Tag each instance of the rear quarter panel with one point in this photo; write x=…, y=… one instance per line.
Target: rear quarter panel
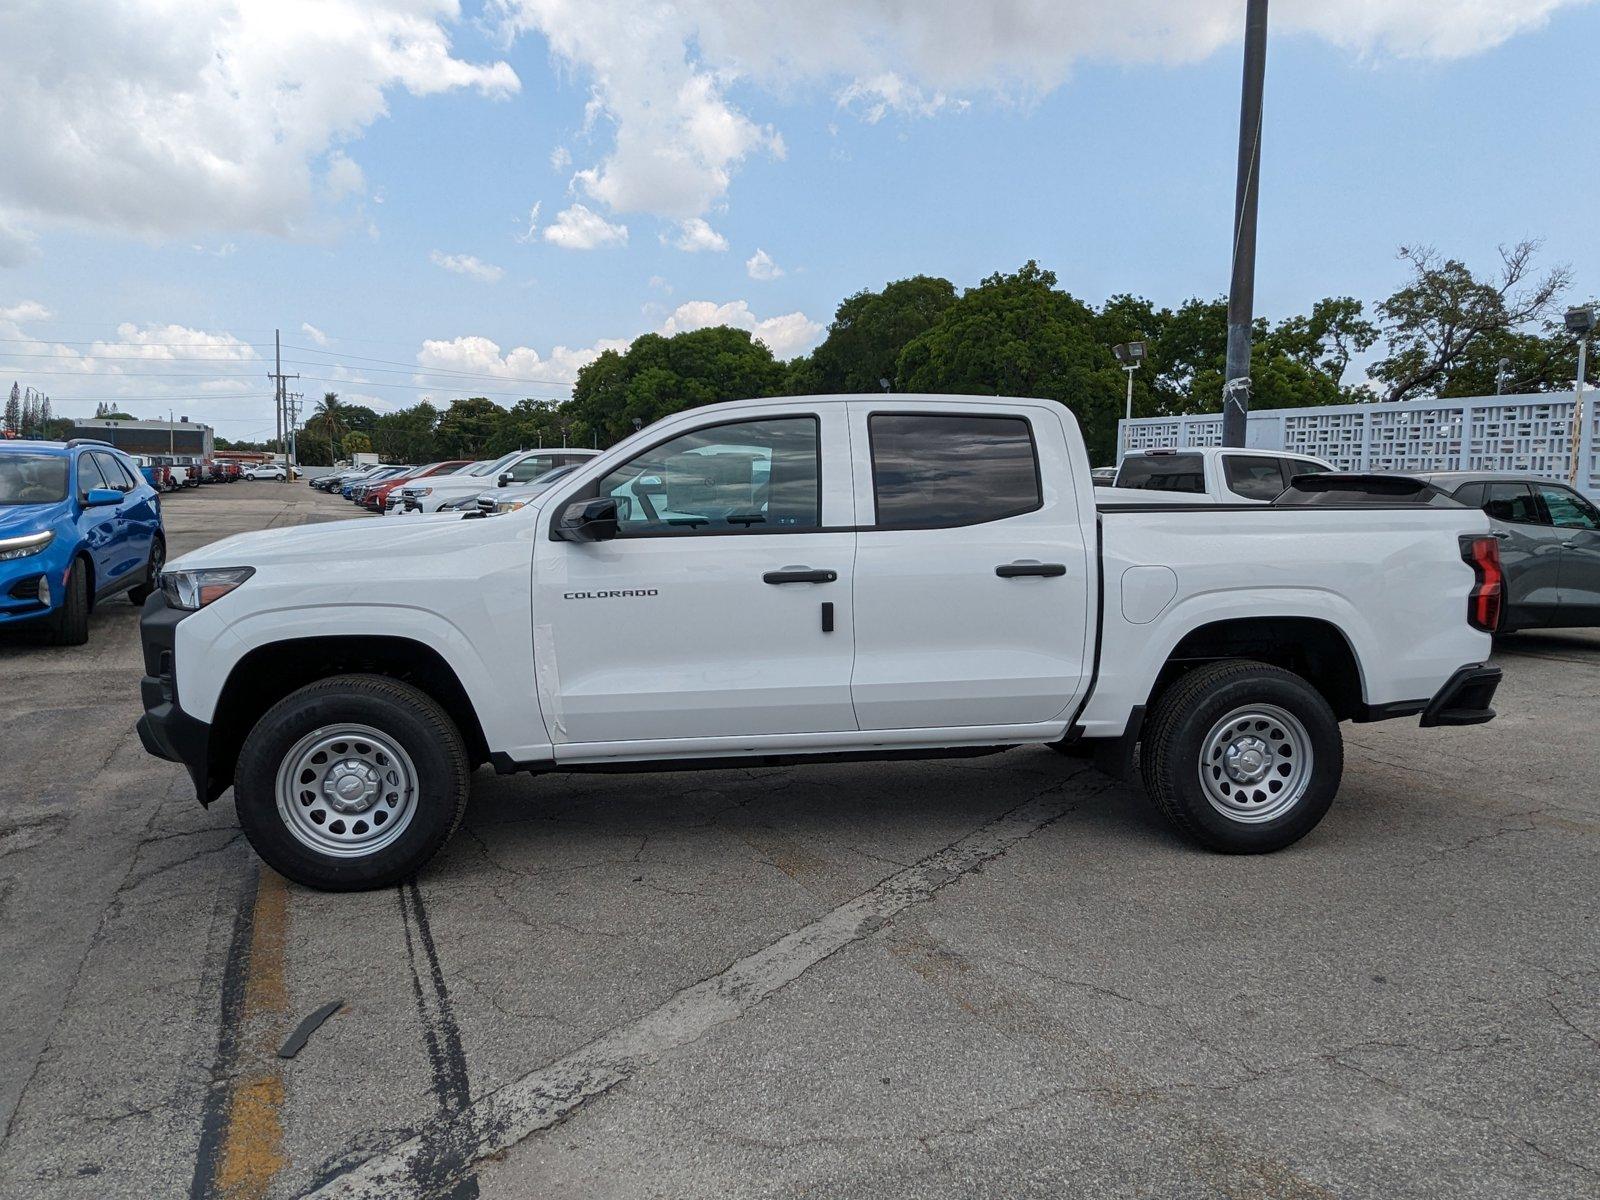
x=1391, y=580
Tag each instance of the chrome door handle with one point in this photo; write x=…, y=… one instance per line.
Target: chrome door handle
x=799, y=575
x=1572, y=545
x=1018, y=570
x=1502, y=535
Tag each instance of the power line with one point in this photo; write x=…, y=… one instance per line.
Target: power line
x=419, y=370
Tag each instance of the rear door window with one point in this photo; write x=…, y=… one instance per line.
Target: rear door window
x=1513, y=502
x=933, y=471
x=1163, y=473
x=1471, y=495
x=1567, y=509
x=1255, y=477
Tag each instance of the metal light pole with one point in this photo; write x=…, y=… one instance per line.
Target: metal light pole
x=1580, y=323
x=1241, y=292
x=1500, y=376
x=1130, y=355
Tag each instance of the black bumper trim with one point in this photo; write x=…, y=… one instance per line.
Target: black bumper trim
x=1464, y=699
x=165, y=730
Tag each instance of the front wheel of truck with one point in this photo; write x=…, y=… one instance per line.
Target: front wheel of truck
x=1242, y=757
x=351, y=783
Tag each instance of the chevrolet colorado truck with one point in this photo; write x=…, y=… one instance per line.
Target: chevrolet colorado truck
x=804, y=579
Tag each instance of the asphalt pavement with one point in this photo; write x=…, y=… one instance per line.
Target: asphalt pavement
x=989, y=977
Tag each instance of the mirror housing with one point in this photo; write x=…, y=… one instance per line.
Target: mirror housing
x=101, y=496
x=505, y=478
x=589, y=520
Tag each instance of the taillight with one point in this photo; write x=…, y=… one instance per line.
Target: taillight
x=1484, y=603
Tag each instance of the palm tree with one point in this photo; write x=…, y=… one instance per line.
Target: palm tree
x=329, y=414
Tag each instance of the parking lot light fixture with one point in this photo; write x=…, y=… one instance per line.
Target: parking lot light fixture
x=1130, y=355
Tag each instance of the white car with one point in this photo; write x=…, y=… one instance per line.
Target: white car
x=266, y=471
x=1206, y=475
x=513, y=499
x=460, y=490
x=797, y=579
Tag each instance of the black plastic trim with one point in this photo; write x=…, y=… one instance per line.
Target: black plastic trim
x=1464, y=699
x=1368, y=713
x=165, y=730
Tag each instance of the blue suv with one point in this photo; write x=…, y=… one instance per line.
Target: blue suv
x=78, y=524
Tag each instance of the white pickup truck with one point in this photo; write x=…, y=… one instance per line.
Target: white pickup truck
x=801, y=579
x=1207, y=474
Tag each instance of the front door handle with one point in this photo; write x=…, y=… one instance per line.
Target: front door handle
x=1572, y=545
x=1502, y=535
x=799, y=575
x=1018, y=570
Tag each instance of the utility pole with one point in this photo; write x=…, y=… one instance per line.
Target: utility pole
x=279, y=397
x=293, y=410
x=1580, y=323
x=1241, y=292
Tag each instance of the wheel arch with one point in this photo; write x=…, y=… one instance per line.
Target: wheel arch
x=1313, y=648
x=269, y=672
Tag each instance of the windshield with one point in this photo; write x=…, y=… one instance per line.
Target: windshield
x=543, y=481
x=33, y=478
x=1163, y=473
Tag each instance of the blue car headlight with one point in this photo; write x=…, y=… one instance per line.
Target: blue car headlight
x=25, y=546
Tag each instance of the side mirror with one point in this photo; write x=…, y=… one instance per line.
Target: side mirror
x=589, y=520
x=505, y=478
x=100, y=496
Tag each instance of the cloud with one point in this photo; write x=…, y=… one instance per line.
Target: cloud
x=533, y=224
x=468, y=265
x=786, y=335
x=579, y=228
x=695, y=235
x=662, y=71
x=177, y=119
x=560, y=158
x=27, y=310
x=481, y=356
x=759, y=266
x=315, y=334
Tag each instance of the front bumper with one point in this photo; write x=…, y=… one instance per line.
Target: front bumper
x=165, y=730
x=19, y=582
x=1464, y=699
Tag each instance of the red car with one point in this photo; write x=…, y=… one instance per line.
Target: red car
x=377, y=498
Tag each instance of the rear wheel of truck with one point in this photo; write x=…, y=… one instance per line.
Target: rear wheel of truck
x=1242, y=757
x=351, y=783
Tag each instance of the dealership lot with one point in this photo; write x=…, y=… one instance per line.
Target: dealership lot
x=990, y=976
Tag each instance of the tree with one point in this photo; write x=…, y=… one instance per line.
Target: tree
x=868, y=332
x=1018, y=335
x=658, y=376
x=328, y=420
x=30, y=415
x=465, y=429
x=530, y=424
x=407, y=436
x=357, y=443
x=1447, y=320
x=13, y=420
x=45, y=416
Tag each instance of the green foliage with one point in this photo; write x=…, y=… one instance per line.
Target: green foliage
x=467, y=427
x=1017, y=335
x=407, y=436
x=356, y=443
x=529, y=424
x=312, y=449
x=658, y=376
x=868, y=332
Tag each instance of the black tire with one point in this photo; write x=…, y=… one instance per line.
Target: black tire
x=1183, y=739
x=413, y=721
x=69, y=624
x=158, y=559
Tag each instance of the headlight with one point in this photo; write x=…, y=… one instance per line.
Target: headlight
x=427, y=491
x=506, y=506
x=196, y=589
x=461, y=505
x=27, y=544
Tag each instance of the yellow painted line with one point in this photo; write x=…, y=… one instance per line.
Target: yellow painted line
x=252, y=1139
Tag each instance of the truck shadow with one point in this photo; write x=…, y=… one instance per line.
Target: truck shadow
x=1577, y=644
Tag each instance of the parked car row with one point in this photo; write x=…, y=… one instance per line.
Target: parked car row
x=80, y=522
x=461, y=486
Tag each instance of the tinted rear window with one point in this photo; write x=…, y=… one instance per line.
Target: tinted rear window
x=1163, y=473
x=931, y=471
x=1373, y=491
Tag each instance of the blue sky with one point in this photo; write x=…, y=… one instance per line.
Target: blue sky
x=1112, y=166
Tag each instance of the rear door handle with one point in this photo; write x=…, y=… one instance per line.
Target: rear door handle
x=1502, y=535
x=1017, y=570
x=800, y=575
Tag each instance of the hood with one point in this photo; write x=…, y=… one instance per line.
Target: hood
x=339, y=541
x=17, y=519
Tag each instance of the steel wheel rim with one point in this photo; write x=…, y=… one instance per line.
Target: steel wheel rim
x=1256, y=763
x=346, y=790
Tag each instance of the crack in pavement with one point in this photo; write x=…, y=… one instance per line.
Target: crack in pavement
x=549, y=1095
